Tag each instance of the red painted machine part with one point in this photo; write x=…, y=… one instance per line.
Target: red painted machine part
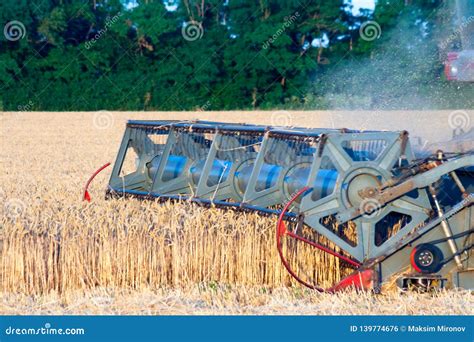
x=452, y=56
x=86, y=196
x=412, y=260
x=359, y=279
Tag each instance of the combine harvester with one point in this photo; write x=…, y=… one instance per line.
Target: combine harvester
x=325, y=179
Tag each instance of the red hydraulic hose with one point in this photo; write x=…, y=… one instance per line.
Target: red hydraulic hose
x=281, y=230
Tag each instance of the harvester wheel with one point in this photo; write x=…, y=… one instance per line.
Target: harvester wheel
x=426, y=258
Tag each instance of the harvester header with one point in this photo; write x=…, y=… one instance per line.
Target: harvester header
x=411, y=216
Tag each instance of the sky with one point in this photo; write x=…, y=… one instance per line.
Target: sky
x=359, y=4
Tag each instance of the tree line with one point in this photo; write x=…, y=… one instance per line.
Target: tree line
x=222, y=54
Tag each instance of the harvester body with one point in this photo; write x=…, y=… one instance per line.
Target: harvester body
x=330, y=180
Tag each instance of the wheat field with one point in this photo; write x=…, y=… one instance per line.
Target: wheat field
x=60, y=255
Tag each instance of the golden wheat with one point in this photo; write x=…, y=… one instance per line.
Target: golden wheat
x=134, y=245
x=54, y=242
x=54, y=246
